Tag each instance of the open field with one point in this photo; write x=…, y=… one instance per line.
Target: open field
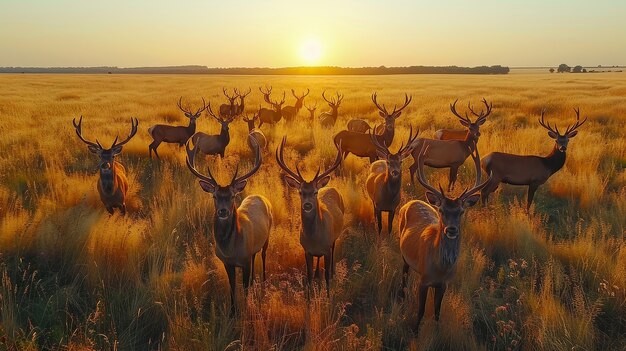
x=74, y=277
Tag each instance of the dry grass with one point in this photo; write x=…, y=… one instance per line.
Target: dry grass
x=73, y=277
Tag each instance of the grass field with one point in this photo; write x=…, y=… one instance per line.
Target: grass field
x=74, y=277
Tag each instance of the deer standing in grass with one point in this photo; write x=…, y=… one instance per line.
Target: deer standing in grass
x=229, y=109
x=384, y=181
x=273, y=115
x=430, y=235
x=174, y=134
x=471, y=127
x=529, y=170
x=290, y=112
x=360, y=144
x=240, y=109
x=447, y=153
x=328, y=119
x=113, y=184
x=214, y=144
x=240, y=232
x=256, y=133
x=322, y=211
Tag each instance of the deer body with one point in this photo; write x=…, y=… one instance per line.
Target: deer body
x=214, y=144
x=328, y=119
x=450, y=134
x=274, y=115
x=358, y=125
x=290, y=112
x=256, y=133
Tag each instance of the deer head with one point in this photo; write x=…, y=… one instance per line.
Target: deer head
x=107, y=156
x=451, y=209
x=299, y=99
x=231, y=98
x=266, y=93
x=223, y=122
x=390, y=118
x=252, y=121
x=307, y=189
x=311, y=110
x=394, y=161
x=334, y=102
x=562, y=139
x=473, y=127
x=191, y=115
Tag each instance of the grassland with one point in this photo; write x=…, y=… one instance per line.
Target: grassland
x=74, y=277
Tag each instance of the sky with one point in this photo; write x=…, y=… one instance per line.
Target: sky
x=277, y=33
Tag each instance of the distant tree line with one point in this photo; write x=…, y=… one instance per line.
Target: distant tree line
x=564, y=68
x=325, y=70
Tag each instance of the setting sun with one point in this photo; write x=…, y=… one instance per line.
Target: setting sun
x=311, y=51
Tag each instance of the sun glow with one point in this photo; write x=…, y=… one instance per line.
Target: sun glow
x=311, y=51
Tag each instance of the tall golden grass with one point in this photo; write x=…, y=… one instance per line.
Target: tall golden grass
x=74, y=277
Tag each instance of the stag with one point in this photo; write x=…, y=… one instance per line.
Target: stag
x=289, y=112
x=321, y=211
x=174, y=134
x=430, y=235
x=445, y=153
x=328, y=119
x=240, y=232
x=311, y=110
x=360, y=144
x=256, y=133
x=242, y=97
x=471, y=127
x=229, y=109
x=113, y=183
x=385, y=180
x=214, y=144
x=271, y=116
x=528, y=170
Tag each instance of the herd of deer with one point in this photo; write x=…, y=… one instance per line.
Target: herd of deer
x=429, y=231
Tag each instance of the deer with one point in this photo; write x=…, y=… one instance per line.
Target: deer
x=256, y=133
x=112, y=184
x=471, y=127
x=445, y=153
x=430, y=235
x=229, y=109
x=214, y=144
x=311, y=110
x=529, y=170
x=240, y=231
x=289, y=112
x=328, y=119
x=271, y=116
x=241, y=107
x=384, y=181
x=174, y=134
x=322, y=210
x=360, y=144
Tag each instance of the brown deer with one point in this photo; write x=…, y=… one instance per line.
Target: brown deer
x=290, y=112
x=358, y=125
x=256, y=133
x=529, y=170
x=430, y=235
x=360, y=144
x=240, y=109
x=328, y=119
x=385, y=180
x=472, y=127
x=322, y=211
x=214, y=144
x=229, y=109
x=311, y=110
x=240, y=232
x=445, y=153
x=271, y=116
x=113, y=184
x=174, y=134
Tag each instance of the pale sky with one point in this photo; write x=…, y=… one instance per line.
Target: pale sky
x=272, y=33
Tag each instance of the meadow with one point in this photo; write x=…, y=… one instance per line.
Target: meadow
x=74, y=277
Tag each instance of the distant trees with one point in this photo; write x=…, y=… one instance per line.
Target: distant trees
x=551, y=70
x=578, y=69
x=564, y=68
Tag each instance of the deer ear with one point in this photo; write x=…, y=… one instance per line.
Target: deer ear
x=239, y=186
x=481, y=122
x=464, y=123
x=471, y=201
x=322, y=182
x=433, y=199
x=381, y=155
x=292, y=182
x=572, y=134
x=116, y=150
x=93, y=149
x=397, y=114
x=382, y=114
x=208, y=187
x=552, y=135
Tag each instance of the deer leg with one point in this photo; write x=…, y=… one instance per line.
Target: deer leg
x=453, y=175
x=390, y=216
x=423, y=293
x=531, y=194
x=263, y=254
x=413, y=169
x=230, y=271
x=439, y=291
x=252, y=269
x=405, y=278
x=110, y=210
x=246, y=276
x=332, y=258
x=379, y=220
x=309, y=269
x=123, y=209
x=153, y=147
x=488, y=189
x=317, y=268
x=327, y=263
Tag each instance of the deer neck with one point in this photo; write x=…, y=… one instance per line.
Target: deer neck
x=250, y=126
x=109, y=178
x=224, y=135
x=225, y=231
x=448, y=250
x=311, y=220
x=393, y=186
x=388, y=135
x=191, y=128
x=555, y=160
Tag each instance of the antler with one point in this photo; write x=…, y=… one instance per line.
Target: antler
x=78, y=129
x=477, y=185
x=453, y=110
x=244, y=95
x=230, y=98
x=422, y=178
x=407, y=101
x=332, y=100
x=374, y=138
x=547, y=125
x=281, y=102
x=483, y=114
x=577, y=124
x=332, y=167
x=210, y=111
x=266, y=93
x=191, y=154
x=257, y=162
x=383, y=108
x=133, y=130
x=281, y=162
x=311, y=108
x=188, y=112
x=405, y=151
